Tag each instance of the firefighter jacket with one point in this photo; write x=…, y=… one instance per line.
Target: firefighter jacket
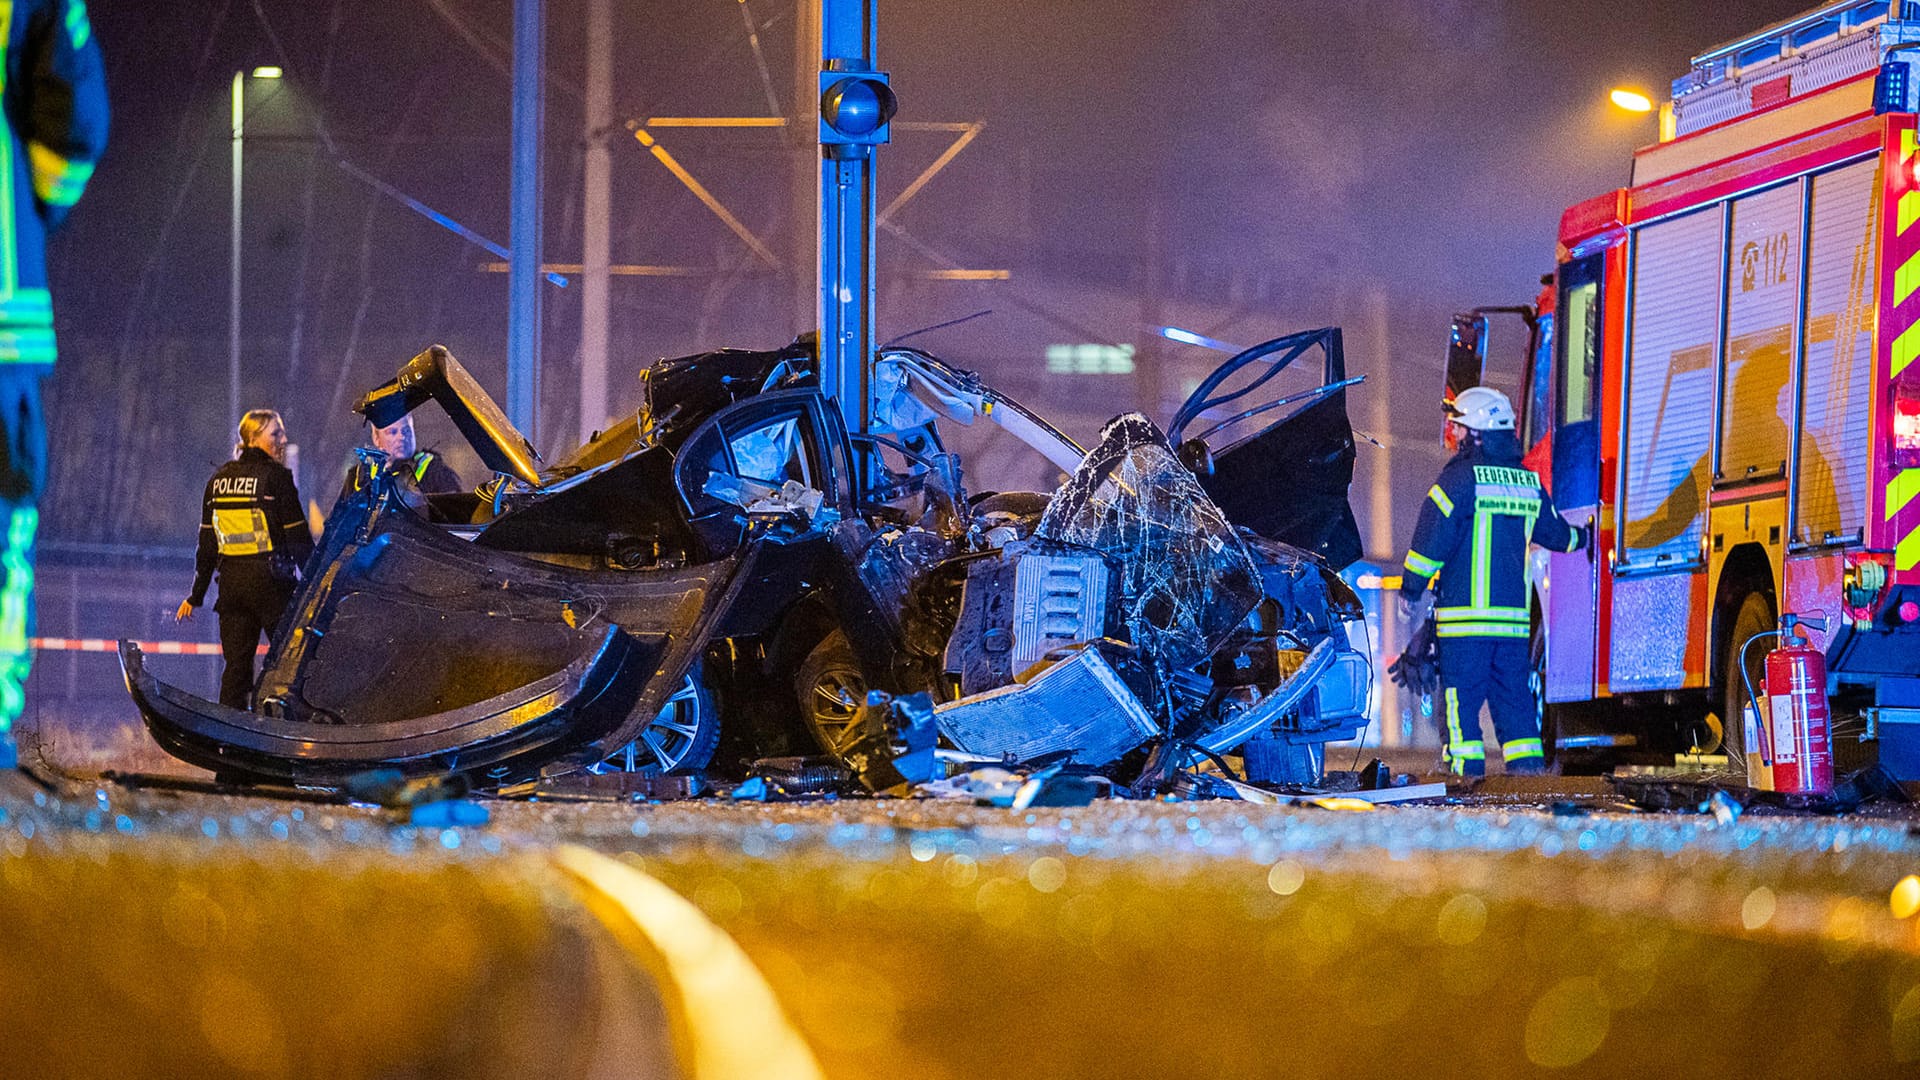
x=250, y=512
x=1476, y=522
x=53, y=87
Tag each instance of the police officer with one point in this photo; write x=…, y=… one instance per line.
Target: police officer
x=252, y=530
x=1475, y=523
x=53, y=82
x=423, y=468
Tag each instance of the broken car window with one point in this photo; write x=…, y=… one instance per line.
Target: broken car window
x=771, y=453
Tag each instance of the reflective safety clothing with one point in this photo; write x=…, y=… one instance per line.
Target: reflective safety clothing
x=425, y=469
x=253, y=531
x=53, y=86
x=1475, y=523
x=55, y=93
x=1470, y=544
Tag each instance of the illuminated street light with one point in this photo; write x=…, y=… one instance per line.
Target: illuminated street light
x=233, y=265
x=1631, y=100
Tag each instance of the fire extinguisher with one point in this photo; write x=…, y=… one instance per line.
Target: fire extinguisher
x=1795, y=740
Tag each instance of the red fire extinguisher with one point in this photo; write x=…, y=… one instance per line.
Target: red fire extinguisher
x=1795, y=740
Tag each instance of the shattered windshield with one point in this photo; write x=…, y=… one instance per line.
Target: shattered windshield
x=1188, y=578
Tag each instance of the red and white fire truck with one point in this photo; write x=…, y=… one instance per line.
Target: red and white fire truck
x=1725, y=381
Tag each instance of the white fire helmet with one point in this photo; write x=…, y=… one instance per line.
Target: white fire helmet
x=1481, y=408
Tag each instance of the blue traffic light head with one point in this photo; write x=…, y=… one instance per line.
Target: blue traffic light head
x=855, y=108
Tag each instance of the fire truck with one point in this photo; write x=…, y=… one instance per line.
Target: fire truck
x=1723, y=379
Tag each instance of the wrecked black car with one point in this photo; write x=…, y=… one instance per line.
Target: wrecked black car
x=730, y=574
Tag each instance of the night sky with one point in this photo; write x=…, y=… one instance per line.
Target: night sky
x=1249, y=168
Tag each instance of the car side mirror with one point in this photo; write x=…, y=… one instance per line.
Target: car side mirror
x=1197, y=457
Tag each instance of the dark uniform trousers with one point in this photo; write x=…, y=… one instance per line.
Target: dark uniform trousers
x=250, y=604
x=1476, y=671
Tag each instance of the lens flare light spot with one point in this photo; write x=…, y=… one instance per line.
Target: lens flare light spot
x=1905, y=901
x=1567, y=1024
x=1286, y=877
x=1046, y=874
x=1461, y=920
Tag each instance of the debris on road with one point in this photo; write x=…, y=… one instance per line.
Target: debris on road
x=1728, y=796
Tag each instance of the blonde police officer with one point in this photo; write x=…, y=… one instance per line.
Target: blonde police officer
x=253, y=531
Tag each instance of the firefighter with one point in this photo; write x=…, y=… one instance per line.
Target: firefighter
x=252, y=530
x=53, y=84
x=422, y=468
x=1476, y=522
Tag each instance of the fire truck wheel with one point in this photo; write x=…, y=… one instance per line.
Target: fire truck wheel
x=1752, y=615
x=1546, y=714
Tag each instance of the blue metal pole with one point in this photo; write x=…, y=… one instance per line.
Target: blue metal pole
x=523, y=260
x=849, y=41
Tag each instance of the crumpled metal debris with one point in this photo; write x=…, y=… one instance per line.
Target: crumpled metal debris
x=391, y=788
x=1187, y=578
x=989, y=785
x=430, y=802
x=1057, y=786
x=1078, y=706
x=794, y=776
x=891, y=747
x=1672, y=790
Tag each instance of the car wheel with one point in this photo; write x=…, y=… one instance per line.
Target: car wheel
x=830, y=688
x=681, y=738
x=1754, y=614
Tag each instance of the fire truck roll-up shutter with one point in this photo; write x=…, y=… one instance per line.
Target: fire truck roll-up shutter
x=1831, y=485
x=1763, y=289
x=1670, y=371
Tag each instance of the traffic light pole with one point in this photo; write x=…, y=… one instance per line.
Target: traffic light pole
x=523, y=257
x=853, y=121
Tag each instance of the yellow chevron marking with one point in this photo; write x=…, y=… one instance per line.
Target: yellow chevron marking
x=1907, y=555
x=1905, y=348
x=1906, y=278
x=1901, y=491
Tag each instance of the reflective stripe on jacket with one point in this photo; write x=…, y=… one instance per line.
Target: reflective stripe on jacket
x=1472, y=534
x=250, y=509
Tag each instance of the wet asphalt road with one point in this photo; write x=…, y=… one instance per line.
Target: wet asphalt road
x=184, y=933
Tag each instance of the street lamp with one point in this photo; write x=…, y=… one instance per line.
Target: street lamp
x=1631, y=100
x=233, y=276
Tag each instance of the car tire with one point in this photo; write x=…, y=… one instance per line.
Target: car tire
x=680, y=740
x=829, y=687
